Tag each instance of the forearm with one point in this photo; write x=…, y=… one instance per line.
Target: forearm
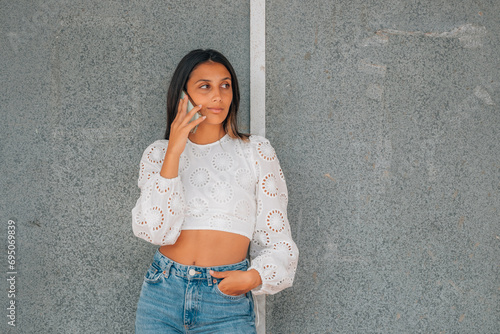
x=170, y=168
x=254, y=279
x=238, y=281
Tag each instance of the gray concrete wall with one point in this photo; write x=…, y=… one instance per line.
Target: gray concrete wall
x=386, y=119
x=384, y=115
x=83, y=93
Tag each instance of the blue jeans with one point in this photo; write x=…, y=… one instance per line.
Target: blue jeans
x=177, y=298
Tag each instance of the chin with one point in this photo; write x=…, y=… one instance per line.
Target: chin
x=214, y=119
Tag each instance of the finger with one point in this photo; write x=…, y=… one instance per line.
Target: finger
x=221, y=274
x=181, y=106
x=194, y=123
x=178, y=114
x=189, y=115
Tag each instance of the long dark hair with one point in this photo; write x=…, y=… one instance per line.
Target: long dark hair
x=181, y=77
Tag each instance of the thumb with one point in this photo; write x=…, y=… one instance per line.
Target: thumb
x=219, y=274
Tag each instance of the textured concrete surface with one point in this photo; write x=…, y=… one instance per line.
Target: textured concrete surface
x=385, y=116
x=386, y=119
x=82, y=95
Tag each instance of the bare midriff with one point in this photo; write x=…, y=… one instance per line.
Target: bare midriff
x=207, y=248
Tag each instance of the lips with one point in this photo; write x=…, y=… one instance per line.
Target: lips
x=215, y=110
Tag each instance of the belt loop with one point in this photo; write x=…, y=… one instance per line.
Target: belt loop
x=166, y=272
x=209, y=277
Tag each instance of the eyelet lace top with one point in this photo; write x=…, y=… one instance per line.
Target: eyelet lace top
x=230, y=185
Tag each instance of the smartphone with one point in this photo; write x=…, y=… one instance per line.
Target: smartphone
x=189, y=107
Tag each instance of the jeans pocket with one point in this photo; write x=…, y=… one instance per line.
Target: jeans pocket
x=238, y=297
x=154, y=274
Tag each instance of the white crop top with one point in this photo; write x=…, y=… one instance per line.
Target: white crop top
x=229, y=185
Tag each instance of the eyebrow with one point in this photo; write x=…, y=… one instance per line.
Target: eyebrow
x=226, y=78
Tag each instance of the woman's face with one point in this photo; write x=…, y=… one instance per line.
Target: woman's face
x=210, y=86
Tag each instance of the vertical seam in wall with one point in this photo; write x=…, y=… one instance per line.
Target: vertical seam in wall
x=258, y=105
x=258, y=67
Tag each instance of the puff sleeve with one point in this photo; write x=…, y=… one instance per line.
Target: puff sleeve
x=273, y=253
x=159, y=212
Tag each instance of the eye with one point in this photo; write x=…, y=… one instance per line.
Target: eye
x=226, y=85
x=204, y=86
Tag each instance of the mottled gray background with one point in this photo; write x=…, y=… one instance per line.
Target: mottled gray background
x=385, y=116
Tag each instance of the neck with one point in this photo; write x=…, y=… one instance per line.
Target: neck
x=207, y=133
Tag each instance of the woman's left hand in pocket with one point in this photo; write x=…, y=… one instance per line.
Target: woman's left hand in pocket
x=237, y=282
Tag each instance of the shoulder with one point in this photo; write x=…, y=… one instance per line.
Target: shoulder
x=155, y=152
x=259, y=142
x=159, y=143
x=256, y=140
x=263, y=148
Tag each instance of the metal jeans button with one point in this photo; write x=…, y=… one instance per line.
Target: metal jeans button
x=192, y=272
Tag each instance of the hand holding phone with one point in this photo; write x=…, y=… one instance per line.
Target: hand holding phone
x=190, y=106
x=182, y=125
x=179, y=133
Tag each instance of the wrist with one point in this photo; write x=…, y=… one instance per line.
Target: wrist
x=171, y=154
x=170, y=167
x=255, y=279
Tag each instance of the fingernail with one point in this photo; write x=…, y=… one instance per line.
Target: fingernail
x=199, y=105
x=211, y=271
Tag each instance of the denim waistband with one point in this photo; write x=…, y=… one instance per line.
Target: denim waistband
x=169, y=266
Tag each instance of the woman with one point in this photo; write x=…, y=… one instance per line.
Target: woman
x=208, y=197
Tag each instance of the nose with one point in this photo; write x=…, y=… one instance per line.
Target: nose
x=217, y=96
